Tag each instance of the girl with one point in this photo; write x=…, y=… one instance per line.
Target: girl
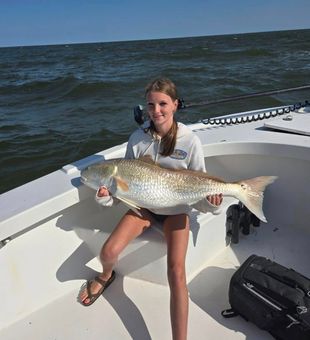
x=171, y=145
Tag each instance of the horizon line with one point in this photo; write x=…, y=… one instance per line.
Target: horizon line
x=151, y=39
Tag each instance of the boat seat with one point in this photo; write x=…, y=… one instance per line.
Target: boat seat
x=153, y=251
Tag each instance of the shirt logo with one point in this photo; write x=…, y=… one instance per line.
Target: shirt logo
x=178, y=154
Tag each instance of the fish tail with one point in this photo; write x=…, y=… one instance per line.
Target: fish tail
x=251, y=194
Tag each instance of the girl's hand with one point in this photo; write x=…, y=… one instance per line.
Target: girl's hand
x=215, y=199
x=103, y=191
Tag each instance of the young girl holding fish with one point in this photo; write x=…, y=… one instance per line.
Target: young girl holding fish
x=171, y=145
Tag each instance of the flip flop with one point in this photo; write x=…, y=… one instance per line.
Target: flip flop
x=93, y=297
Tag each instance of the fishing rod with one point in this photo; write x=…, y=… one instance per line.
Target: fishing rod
x=182, y=104
x=139, y=114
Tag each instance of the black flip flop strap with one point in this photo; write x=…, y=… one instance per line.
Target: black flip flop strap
x=107, y=282
x=102, y=282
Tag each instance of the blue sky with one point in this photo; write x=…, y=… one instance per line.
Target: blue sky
x=44, y=22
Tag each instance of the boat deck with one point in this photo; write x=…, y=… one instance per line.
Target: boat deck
x=138, y=309
x=57, y=234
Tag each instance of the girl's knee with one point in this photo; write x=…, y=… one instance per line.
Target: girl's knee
x=109, y=253
x=176, y=274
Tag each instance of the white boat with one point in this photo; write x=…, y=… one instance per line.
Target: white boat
x=52, y=230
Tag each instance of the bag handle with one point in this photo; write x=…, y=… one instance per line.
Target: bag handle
x=229, y=313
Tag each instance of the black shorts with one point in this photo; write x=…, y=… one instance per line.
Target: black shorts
x=157, y=217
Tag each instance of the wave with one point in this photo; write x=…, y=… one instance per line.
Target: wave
x=60, y=88
x=12, y=127
x=91, y=89
x=256, y=52
x=210, y=53
x=41, y=86
x=243, y=53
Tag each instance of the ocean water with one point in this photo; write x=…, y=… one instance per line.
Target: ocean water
x=61, y=103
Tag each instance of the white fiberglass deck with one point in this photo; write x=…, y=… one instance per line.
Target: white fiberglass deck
x=136, y=309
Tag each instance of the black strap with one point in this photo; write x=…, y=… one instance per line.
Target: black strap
x=229, y=313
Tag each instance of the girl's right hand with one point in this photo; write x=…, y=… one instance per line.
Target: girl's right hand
x=104, y=197
x=103, y=191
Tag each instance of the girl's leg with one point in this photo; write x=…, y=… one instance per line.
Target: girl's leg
x=176, y=229
x=129, y=227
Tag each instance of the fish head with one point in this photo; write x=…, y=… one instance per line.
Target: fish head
x=99, y=175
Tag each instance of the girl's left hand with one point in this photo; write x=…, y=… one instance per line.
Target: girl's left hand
x=215, y=199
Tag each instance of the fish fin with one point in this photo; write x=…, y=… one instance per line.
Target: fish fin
x=136, y=211
x=252, y=194
x=148, y=159
x=129, y=203
x=203, y=174
x=197, y=173
x=205, y=206
x=122, y=184
x=200, y=206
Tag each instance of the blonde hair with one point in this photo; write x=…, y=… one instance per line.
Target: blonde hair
x=166, y=86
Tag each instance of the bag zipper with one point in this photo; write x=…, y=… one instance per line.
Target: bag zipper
x=251, y=288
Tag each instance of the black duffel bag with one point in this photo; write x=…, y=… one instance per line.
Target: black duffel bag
x=273, y=297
